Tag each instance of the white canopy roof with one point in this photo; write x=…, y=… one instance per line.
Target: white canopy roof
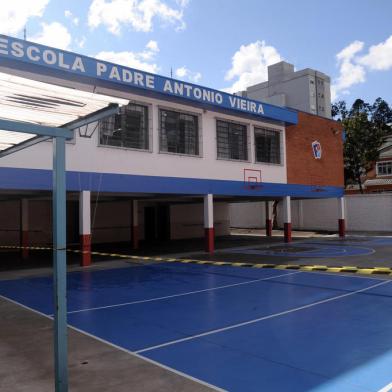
x=31, y=101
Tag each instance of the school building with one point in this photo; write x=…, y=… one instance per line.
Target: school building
x=156, y=158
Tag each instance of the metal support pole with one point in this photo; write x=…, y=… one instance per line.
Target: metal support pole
x=268, y=218
x=287, y=218
x=85, y=227
x=209, y=231
x=60, y=266
x=342, y=217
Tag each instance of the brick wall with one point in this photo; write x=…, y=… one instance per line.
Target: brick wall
x=302, y=167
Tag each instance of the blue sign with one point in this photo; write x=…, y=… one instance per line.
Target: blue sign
x=28, y=52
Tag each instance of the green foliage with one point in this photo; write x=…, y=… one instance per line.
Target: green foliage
x=366, y=129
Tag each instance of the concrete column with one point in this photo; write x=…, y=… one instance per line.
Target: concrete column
x=268, y=218
x=24, y=227
x=342, y=217
x=85, y=227
x=209, y=223
x=135, y=225
x=287, y=218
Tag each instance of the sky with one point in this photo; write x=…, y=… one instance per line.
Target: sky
x=223, y=44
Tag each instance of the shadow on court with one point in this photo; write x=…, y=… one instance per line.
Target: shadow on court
x=365, y=252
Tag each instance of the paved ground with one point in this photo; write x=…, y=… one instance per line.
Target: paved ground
x=26, y=360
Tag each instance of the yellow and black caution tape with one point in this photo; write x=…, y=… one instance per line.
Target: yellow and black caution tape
x=301, y=267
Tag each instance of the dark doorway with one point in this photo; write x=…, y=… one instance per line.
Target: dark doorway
x=72, y=222
x=150, y=231
x=157, y=223
x=163, y=213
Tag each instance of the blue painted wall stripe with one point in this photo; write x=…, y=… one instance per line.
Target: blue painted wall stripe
x=36, y=179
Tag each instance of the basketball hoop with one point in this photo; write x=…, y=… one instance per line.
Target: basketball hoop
x=252, y=179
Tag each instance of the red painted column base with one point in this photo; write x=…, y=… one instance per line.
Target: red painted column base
x=268, y=227
x=25, y=243
x=209, y=234
x=85, y=247
x=135, y=237
x=342, y=228
x=287, y=232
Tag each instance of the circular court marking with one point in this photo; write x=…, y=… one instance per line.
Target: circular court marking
x=308, y=250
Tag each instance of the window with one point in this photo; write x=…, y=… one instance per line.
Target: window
x=232, y=140
x=267, y=145
x=127, y=129
x=179, y=132
x=384, y=168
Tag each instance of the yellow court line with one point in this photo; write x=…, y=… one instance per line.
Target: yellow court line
x=301, y=267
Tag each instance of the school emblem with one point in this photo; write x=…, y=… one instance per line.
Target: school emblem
x=316, y=148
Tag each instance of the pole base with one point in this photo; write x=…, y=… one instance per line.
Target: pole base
x=268, y=227
x=287, y=232
x=85, y=245
x=209, y=234
x=342, y=228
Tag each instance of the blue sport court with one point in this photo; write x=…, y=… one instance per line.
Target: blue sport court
x=235, y=329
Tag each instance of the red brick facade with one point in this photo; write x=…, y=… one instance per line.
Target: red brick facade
x=302, y=167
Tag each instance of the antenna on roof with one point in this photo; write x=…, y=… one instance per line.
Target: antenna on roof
x=24, y=33
x=171, y=72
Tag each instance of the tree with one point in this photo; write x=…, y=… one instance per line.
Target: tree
x=366, y=129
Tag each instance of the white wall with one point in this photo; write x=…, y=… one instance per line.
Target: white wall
x=187, y=220
x=247, y=215
x=371, y=212
x=85, y=155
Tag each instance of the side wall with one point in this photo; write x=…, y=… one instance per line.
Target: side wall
x=302, y=167
x=369, y=212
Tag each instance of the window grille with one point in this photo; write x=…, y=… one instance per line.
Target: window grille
x=179, y=132
x=267, y=145
x=232, y=140
x=127, y=129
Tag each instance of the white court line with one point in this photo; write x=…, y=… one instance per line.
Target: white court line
x=258, y=319
x=132, y=353
x=344, y=275
x=387, y=388
x=182, y=294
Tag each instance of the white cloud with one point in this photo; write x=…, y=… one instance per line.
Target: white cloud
x=53, y=34
x=153, y=46
x=186, y=74
x=250, y=65
x=350, y=72
x=15, y=14
x=379, y=56
x=354, y=66
x=80, y=41
x=68, y=14
x=139, y=60
x=139, y=14
x=350, y=51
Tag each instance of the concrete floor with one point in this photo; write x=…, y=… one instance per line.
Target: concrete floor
x=26, y=360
